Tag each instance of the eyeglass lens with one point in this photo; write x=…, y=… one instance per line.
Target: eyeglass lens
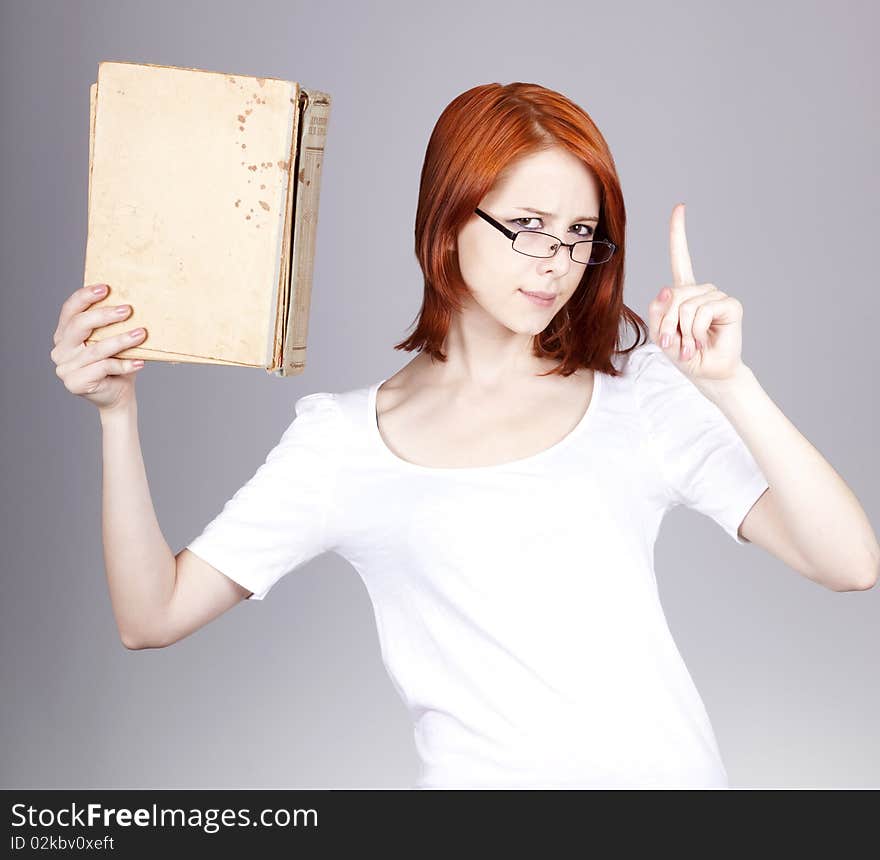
x=543, y=245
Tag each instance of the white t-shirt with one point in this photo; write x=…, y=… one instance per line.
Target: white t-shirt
x=516, y=604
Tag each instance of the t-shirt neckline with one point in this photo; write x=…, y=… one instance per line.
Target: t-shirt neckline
x=390, y=456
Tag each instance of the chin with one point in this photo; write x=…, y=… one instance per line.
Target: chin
x=531, y=328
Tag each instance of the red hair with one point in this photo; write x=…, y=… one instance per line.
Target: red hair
x=476, y=138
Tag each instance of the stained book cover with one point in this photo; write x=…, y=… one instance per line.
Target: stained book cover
x=202, y=212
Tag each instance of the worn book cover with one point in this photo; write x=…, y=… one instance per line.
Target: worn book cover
x=202, y=211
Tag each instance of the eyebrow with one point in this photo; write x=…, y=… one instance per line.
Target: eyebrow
x=539, y=212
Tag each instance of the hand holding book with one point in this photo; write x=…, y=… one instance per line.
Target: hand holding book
x=93, y=371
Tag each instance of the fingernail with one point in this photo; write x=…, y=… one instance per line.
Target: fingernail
x=136, y=333
x=99, y=289
x=686, y=352
x=664, y=341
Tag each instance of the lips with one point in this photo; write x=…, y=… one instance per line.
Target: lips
x=540, y=295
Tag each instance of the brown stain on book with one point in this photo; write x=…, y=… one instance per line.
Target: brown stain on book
x=281, y=165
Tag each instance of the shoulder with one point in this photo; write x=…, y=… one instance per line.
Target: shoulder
x=340, y=411
x=315, y=422
x=654, y=384
x=633, y=362
x=647, y=367
x=319, y=403
x=317, y=413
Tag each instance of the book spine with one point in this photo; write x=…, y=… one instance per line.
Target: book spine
x=310, y=159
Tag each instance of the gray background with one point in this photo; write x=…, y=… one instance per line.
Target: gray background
x=761, y=117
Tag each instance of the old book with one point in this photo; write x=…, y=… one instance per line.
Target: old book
x=202, y=212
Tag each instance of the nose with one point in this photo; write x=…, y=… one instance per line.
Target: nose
x=560, y=262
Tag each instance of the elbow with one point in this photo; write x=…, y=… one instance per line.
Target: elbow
x=133, y=643
x=869, y=580
x=861, y=585
x=872, y=572
x=866, y=578
x=140, y=636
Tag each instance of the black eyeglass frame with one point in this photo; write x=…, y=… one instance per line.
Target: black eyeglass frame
x=511, y=234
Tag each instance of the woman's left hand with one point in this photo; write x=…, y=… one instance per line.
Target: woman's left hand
x=696, y=325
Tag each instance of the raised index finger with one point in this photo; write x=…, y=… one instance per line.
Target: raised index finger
x=682, y=271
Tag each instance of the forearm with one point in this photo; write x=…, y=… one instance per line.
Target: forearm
x=139, y=563
x=821, y=514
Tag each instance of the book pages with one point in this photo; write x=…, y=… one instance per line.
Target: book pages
x=290, y=208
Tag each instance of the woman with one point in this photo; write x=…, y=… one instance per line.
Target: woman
x=500, y=495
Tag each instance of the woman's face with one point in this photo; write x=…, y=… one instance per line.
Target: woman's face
x=555, y=182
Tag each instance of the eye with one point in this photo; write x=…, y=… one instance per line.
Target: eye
x=517, y=222
x=585, y=235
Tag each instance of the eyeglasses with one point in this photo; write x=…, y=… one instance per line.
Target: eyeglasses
x=587, y=252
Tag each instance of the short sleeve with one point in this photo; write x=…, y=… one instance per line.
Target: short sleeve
x=701, y=457
x=278, y=520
